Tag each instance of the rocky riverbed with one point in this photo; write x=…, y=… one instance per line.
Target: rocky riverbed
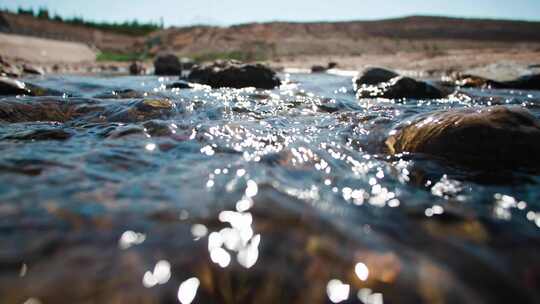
x=269, y=188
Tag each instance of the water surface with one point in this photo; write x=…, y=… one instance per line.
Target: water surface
x=252, y=196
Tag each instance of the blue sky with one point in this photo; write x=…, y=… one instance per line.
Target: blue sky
x=226, y=12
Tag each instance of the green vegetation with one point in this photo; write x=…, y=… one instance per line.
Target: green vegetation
x=110, y=56
x=133, y=28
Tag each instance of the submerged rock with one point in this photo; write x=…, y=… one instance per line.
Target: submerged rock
x=496, y=137
x=121, y=94
x=35, y=110
x=400, y=87
x=142, y=110
x=158, y=128
x=10, y=86
x=41, y=134
x=167, y=64
x=374, y=76
x=234, y=74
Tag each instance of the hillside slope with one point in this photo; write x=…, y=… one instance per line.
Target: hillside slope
x=419, y=33
x=31, y=26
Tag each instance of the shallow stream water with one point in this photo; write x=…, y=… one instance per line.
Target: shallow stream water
x=252, y=196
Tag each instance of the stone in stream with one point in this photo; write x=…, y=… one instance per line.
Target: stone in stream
x=179, y=85
x=526, y=82
x=142, y=110
x=497, y=137
x=34, y=70
x=318, y=69
x=167, y=64
x=374, y=76
x=9, y=69
x=10, y=86
x=136, y=68
x=401, y=87
x=41, y=134
x=120, y=94
x=234, y=74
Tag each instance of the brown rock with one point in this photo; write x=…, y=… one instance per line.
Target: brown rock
x=496, y=137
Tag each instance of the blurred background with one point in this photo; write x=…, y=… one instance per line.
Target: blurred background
x=417, y=34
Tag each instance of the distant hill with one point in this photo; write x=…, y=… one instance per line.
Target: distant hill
x=24, y=24
x=277, y=39
x=274, y=40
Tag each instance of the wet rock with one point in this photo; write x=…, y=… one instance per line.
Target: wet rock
x=136, y=68
x=10, y=86
x=9, y=69
x=472, y=81
x=234, y=74
x=332, y=65
x=123, y=131
x=179, y=85
x=121, y=94
x=158, y=128
x=187, y=63
x=31, y=69
x=401, y=87
x=167, y=64
x=496, y=137
x=374, y=76
x=527, y=82
x=46, y=109
x=318, y=69
x=41, y=134
x=142, y=110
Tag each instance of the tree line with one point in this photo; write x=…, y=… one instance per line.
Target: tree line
x=133, y=28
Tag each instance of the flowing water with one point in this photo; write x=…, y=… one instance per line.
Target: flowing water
x=157, y=195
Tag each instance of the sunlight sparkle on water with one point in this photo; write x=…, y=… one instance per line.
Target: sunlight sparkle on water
x=130, y=238
x=362, y=271
x=160, y=275
x=337, y=291
x=188, y=290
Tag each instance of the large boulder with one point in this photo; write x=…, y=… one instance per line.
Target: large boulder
x=400, y=87
x=167, y=64
x=234, y=74
x=497, y=137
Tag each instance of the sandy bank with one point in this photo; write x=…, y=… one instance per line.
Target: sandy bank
x=39, y=50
